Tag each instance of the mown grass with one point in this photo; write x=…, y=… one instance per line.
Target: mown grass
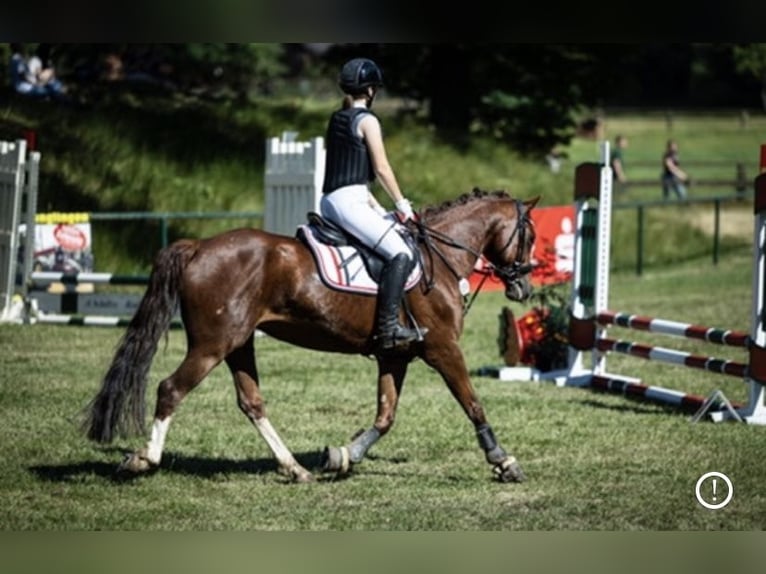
x=594, y=461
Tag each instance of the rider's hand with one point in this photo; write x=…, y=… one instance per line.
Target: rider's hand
x=404, y=210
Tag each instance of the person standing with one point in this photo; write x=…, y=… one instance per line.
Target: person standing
x=617, y=162
x=673, y=177
x=355, y=157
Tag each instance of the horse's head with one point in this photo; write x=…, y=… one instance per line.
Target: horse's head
x=485, y=224
x=510, y=248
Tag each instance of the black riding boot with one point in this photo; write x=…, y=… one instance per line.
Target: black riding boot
x=391, y=289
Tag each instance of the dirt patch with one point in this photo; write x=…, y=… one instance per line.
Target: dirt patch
x=735, y=222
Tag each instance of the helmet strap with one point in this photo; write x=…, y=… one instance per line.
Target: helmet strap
x=371, y=93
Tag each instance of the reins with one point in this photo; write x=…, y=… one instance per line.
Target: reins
x=507, y=273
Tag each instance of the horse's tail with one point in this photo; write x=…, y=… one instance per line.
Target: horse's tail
x=119, y=406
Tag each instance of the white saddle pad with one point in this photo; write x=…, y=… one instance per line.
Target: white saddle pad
x=342, y=267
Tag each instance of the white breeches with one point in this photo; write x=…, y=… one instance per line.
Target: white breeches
x=350, y=208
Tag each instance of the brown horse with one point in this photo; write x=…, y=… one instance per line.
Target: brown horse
x=240, y=280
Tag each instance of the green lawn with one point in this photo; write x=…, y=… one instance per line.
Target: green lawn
x=593, y=461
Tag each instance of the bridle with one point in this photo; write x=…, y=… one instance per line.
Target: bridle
x=517, y=268
x=506, y=273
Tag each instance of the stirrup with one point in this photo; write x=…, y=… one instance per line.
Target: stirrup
x=400, y=336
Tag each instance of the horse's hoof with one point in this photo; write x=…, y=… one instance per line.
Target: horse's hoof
x=509, y=471
x=303, y=477
x=136, y=463
x=336, y=460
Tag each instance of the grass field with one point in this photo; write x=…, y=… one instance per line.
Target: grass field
x=593, y=461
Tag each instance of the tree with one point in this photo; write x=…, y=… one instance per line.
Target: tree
x=751, y=59
x=229, y=70
x=525, y=95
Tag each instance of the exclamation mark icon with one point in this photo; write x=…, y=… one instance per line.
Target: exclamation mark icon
x=713, y=501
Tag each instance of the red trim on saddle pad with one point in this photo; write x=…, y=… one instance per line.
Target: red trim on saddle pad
x=342, y=269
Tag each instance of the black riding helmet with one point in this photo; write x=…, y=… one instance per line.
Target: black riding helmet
x=359, y=73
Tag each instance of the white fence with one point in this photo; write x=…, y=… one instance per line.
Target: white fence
x=18, y=205
x=292, y=182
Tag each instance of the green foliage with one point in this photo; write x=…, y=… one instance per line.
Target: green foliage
x=137, y=151
x=524, y=96
x=751, y=58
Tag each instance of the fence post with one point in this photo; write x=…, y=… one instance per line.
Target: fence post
x=29, y=213
x=640, y=241
x=716, y=229
x=742, y=183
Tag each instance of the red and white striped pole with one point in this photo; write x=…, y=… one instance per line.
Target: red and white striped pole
x=687, y=330
x=654, y=353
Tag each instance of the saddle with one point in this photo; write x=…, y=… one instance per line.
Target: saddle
x=345, y=263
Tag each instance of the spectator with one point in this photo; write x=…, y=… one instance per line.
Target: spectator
x=617, y=163
x=21, y=79
x=41, y=68
x=554, y=159
x=673, y=177
x=31, y=77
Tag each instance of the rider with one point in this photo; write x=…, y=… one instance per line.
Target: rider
x=355, y=157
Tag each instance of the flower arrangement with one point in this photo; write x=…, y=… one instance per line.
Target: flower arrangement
x=539, y=338
x=544, y=330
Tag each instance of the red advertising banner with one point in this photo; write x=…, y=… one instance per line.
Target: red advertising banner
x=554, y=246
x=553, y=253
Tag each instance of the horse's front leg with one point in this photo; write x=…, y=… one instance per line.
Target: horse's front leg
x=447, y=358
x=391, y=372
x=241, y=363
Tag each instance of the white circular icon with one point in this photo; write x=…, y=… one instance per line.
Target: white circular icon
x=714, y=490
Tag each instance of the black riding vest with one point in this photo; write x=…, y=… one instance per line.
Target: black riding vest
x=347, y=161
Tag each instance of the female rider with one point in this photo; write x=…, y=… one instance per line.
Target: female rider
x=355, y=157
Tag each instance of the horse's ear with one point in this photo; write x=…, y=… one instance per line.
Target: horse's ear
x=530, y=203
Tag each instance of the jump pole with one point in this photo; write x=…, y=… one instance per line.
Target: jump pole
x=590, y=316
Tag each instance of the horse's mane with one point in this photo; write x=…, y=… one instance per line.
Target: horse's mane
x=464, y=199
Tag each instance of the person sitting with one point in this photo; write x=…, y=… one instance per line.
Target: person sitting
x=31, y=77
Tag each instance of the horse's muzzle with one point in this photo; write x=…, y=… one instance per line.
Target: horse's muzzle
x=519, y=289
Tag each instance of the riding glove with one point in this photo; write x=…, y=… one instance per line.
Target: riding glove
x=404, y=208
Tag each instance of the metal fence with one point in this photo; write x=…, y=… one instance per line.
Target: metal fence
x=165, y=217
x=642, y=206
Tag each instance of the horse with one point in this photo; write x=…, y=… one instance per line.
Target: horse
x=229, y=285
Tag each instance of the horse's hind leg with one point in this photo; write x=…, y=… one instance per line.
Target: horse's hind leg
x=170, y=392
x=448, y=360
x=391, y=373
x=241, y=362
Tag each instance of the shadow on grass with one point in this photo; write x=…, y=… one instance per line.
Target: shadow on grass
x=637, y=405
x=198, y=466
x=210, y=468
